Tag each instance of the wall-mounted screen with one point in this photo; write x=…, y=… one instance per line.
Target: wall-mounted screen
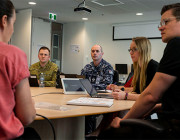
x=128, y=31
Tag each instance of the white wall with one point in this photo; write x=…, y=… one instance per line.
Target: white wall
x=41, y=36
x=84, y=35
x=117, y=51
x=114, y=51
x=22, y=31
x=90, y=40
x=74, y=34
x=30, y=34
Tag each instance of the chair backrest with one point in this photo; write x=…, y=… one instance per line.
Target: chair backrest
x=116, y=77
x=129, y=76
x=145, y=129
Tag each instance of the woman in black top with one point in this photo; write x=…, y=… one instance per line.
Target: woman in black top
x=144, y=71
x=144, y=68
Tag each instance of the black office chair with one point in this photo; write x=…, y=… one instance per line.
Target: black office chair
x=143, y=128
x=129, y=76
x=135, y=129
x=116, y=77
x=146, y=129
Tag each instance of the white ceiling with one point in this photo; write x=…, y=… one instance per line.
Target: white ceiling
x=100, y=14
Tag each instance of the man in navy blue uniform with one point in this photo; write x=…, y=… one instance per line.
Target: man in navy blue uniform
x=100, y=74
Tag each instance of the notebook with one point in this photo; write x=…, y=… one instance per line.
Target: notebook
x=72, y=86
x=33, y=82
x=91, y=90
x=91, y=102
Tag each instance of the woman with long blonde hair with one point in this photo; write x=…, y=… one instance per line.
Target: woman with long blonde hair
x=144, y=68
x=144, y=71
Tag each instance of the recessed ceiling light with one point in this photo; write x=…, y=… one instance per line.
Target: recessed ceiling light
x=107, y=2
x=32, y=3
x=84, y=18
x=139, y=14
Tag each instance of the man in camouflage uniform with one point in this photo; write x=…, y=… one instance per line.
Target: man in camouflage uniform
x=100, y=74
x=45, y=66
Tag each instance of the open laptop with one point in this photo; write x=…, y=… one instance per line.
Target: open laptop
x=33, y=81
x=72, y=86
x=70, y=76
x=91, y=90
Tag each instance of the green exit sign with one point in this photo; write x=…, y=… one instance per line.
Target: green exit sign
x=52, y=16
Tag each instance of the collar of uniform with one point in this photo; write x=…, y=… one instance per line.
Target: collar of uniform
x=99, y=63
x=46, y=66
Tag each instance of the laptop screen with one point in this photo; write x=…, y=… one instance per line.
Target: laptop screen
x=72, y=86
x=88, y=86
x=33, y=82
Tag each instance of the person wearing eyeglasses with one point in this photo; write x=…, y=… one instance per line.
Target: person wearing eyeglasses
x=144, y=69
x=100, y=74
x=45, y=66
x=164, y=86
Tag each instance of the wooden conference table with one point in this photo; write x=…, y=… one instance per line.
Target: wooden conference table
x=69, y=121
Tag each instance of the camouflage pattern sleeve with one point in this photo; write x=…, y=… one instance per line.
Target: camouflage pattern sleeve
x=84, y=71
x=108, y=76
x=49, y=72
x=53, y=71
x=34, y=69
x=99, y=76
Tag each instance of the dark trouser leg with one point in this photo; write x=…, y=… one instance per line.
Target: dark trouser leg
x=90, y=124
x=29, y=134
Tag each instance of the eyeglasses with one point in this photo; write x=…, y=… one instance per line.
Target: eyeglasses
x=166, y=21
x=133, y=50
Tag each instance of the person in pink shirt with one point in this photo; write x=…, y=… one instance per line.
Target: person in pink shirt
x=16, y=105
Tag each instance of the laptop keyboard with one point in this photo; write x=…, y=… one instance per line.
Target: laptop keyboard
x=102, y=96
x=96, y=96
